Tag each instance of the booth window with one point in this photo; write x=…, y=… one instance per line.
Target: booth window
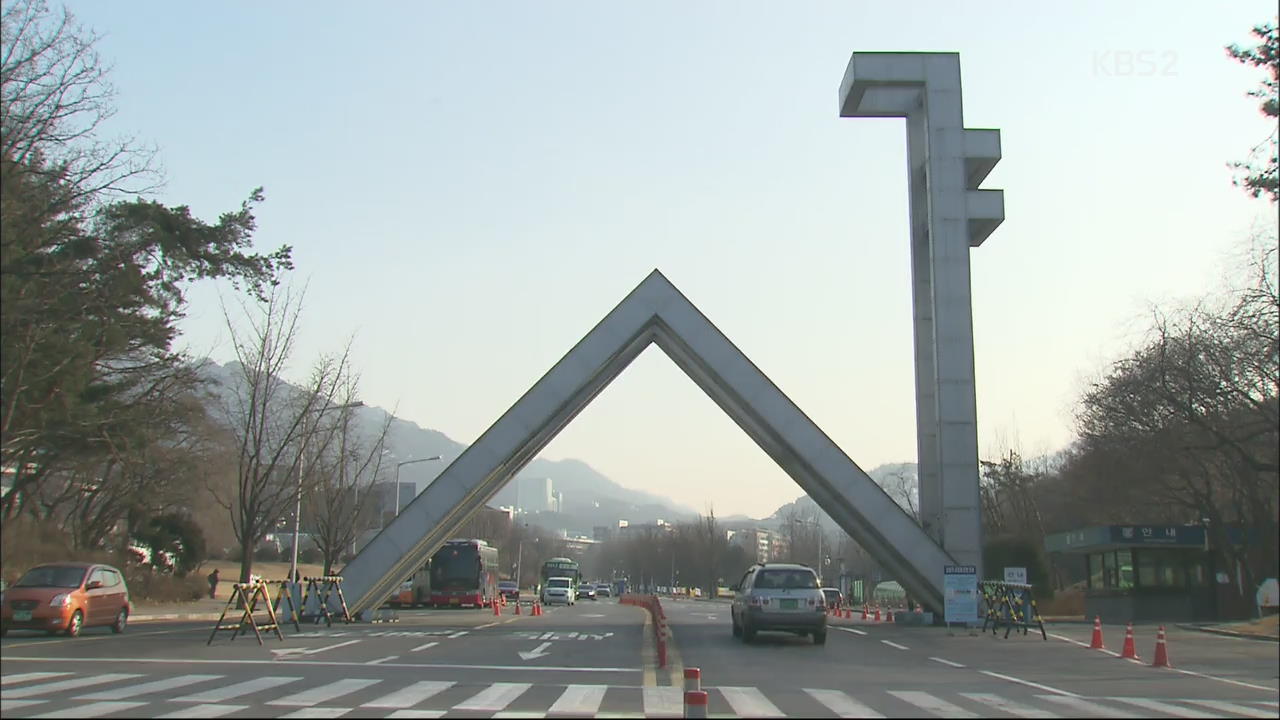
x=1124, y=570
x=1147, y=572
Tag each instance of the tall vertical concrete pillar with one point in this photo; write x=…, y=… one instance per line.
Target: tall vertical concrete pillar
x=949, y=214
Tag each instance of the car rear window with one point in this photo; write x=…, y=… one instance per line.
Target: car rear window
x=62, y=577
x=507, y=585
x=786, y=580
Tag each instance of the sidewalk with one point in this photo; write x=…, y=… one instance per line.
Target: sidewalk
x=203, y=609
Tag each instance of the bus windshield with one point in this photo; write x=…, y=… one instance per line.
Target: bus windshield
x=456, y=567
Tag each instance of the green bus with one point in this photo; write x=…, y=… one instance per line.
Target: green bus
x=559, y=567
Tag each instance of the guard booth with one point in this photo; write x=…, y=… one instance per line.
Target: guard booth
x=1149, y=573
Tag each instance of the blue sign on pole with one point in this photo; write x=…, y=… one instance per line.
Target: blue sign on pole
x=960, y=593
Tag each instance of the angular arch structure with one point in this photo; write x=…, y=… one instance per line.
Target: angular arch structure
x=655, y=312
x=949, y=215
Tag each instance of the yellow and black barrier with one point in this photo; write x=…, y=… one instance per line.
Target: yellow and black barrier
x=244, y=601
x=325, y=588
x=1011, y=605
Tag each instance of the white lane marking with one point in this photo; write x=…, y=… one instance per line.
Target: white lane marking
x=91, y=710
x=320, y=693
x=892, y=644
x=663, y=701
x=535, y=653
x=1070, y=640
x=6, y=704
x=1028, y=683
x=852, y=630
x=548, y=636
x=411, y=695
x=1158, y=706
x=458, y=634
x=233, y=691
x=929, y=703
x=946, y=662
x=143, y=689
x=27, y=677
x=1228, y=707
x=1081, y=705
x=318, y=712
x=494, y=698
x=580, y=699
x=204, y=711
x=424, y=647
x=486, y=625
x=749, y=702
x=843, y=705
x=417, y=714
x=63, y=685
x=1009, y=706
x=1215, y=677
x=313, y=651
x=381, y=660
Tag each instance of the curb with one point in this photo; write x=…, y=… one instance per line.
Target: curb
x=208, y=617
x=1230, y=633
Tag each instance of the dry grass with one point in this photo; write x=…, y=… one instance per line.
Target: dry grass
x=1064, y=603
x=1268, y=626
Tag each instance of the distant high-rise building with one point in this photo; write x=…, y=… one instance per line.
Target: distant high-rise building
x=539, y=496
x=557, y=502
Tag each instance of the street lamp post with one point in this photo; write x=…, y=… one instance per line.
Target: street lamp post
x=399, y=465
x=302, y=464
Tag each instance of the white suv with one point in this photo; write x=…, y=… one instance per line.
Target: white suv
x=558, y=590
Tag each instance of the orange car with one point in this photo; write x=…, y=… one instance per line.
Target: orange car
x=66, y=597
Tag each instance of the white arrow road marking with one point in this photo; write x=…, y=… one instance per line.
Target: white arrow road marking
x=592, y=615
x=536, y=653
x=286, y=653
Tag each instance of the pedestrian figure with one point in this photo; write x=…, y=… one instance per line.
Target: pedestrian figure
x=213, y=583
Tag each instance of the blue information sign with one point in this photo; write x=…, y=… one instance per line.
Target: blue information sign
x=960, y=593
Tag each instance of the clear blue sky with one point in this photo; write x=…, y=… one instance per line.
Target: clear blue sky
x=469, y=187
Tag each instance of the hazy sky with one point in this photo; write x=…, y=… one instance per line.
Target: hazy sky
x=470, y=187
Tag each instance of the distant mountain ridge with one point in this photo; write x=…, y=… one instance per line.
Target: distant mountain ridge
x=590, y=497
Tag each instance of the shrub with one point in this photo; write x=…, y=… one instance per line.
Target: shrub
x=1012, y=551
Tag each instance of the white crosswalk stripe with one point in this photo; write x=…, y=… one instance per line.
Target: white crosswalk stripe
x=1088, y=707
x=843, y=705
x=1229, y=707
x=28, y=677
x=61, y=686
x=931, y=704
x=750, y=702
x=494, y=698
x=1009, y=706
x=321, y=693
x=410, y=696
x=204, y=711
x=1164, y=707
x=97, y=709
x=580, y=700
x=118, y=694
x=146, y=688
x=238, y=689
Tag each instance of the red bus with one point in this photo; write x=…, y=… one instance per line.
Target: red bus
x=464, y=573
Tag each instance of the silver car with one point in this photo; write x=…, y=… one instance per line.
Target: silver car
x=779, y=596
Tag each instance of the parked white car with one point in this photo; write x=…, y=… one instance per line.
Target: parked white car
x=559, y=590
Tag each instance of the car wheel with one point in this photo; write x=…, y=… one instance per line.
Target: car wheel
x=820, y=637
x=123, y=617
x=737, y=629
x=76, y=624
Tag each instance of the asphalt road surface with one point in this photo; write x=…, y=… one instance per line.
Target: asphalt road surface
x=597, y=660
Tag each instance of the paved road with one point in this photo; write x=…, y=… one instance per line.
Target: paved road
x=592, y=660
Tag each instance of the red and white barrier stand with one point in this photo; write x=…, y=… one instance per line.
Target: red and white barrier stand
x=1096, y=642
x=695, y=704
x=1130, y=651
x=1162, y=652
x=692, y=679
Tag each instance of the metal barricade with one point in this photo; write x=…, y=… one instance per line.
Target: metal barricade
x=1011, y=605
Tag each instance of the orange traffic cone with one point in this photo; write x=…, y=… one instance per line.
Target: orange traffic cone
x=848, y=613
x=517, y=604
x=888, y=616
x=1096, y=642
x=1162, y=653
x=1129, y=652
x=497, y=609
x=877, y=613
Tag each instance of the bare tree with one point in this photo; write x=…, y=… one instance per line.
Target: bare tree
x=337, y=506
x=272, y=425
